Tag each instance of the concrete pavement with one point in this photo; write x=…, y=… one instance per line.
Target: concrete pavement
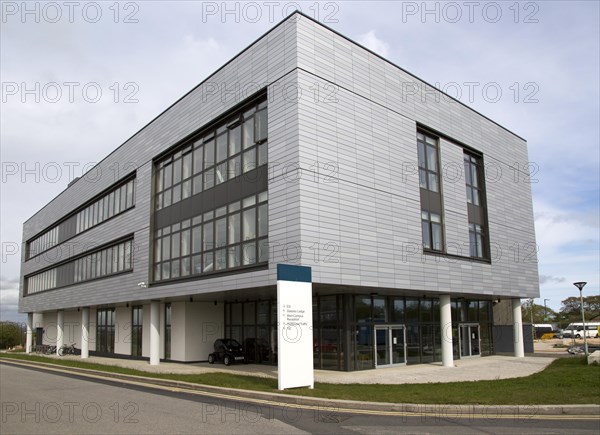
x=469, y=369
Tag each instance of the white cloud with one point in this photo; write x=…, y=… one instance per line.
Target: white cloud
x=558, y=229
x=549, y=278
x=373, y=43
x=568, y=241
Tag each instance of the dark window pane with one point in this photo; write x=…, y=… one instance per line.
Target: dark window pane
x=208, y=262
x=221, y=147
x=221, y=232
x=436, y=231
x=186, y=189
x=175, y=271
x=249, y=160
x=209, y=179
x=235, y=140
x=208, y=236
x=362, y=309
x=248, y=133
x=168, y=176
x=262, y=154
x=398, y=311
x=197, y=264
x=328, y=307
x=197, y=187
x=185, y=266
x=260, y=119
x=426, y=306
x=379, y=309
x=187, y=166
x=431, y=159
x=177, y=171
x=233, y=256
x=249, y=224
x=233, y=228
x=220, y=259
x=196, y=239
x=249, y=253
x=198, y=159
x=262, y=220
x=209, y=153
x=421, y=154
x=426, y=235
x=175, y=245
x=221, y=173
x=412, y=310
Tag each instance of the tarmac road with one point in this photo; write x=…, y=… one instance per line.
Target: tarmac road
x=37, y=401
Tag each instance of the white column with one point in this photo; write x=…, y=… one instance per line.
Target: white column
x=60, y=329
x=518, y=328
x=154, y=333
x=85, y=335
x=29, y=337
x=446, y=331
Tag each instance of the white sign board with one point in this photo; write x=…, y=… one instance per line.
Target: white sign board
x=295, y=335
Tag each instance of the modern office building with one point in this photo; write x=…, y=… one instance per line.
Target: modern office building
x=412, y=210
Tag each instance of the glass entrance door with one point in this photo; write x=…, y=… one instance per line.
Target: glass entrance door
x=390, y=345
x=382, y=347
x=470, y=340
x=398, y=345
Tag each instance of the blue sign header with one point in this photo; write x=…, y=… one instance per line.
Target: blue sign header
x=288, y=272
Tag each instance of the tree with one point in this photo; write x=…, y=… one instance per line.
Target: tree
x=539, y=313
x=571, y=309
x=11, y=334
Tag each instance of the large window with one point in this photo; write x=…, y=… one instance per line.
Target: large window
x=431, y=224
x=430, y=191
x=230, y=237
x=111, y=204
x=117, y=258
x=105, y=330
x=41, y=281
x=478, y=246
x=428, y=162
x=472, y=175
x=234, y=147
x=117, y=200
x=42, y=243
x=136, y=330
x=108, y=261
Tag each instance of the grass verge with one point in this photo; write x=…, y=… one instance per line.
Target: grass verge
x=564, y=381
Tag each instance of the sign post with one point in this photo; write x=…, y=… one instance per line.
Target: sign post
x=294, y=327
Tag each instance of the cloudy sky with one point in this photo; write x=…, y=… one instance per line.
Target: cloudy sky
x=79, y=79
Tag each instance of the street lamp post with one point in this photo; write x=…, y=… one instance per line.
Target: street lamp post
x=531, y=317
x=580, y=286
x=545, y=310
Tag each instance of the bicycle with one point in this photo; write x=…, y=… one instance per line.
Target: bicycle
x=50, y=350
x=68, y=350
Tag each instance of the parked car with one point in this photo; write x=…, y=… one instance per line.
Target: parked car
x=227, y=350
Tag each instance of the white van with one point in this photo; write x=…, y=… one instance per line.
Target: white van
x=576, y=330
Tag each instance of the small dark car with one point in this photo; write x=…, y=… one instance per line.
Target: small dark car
x=227, y=350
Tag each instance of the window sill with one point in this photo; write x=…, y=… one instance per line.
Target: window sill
x=434, y=253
